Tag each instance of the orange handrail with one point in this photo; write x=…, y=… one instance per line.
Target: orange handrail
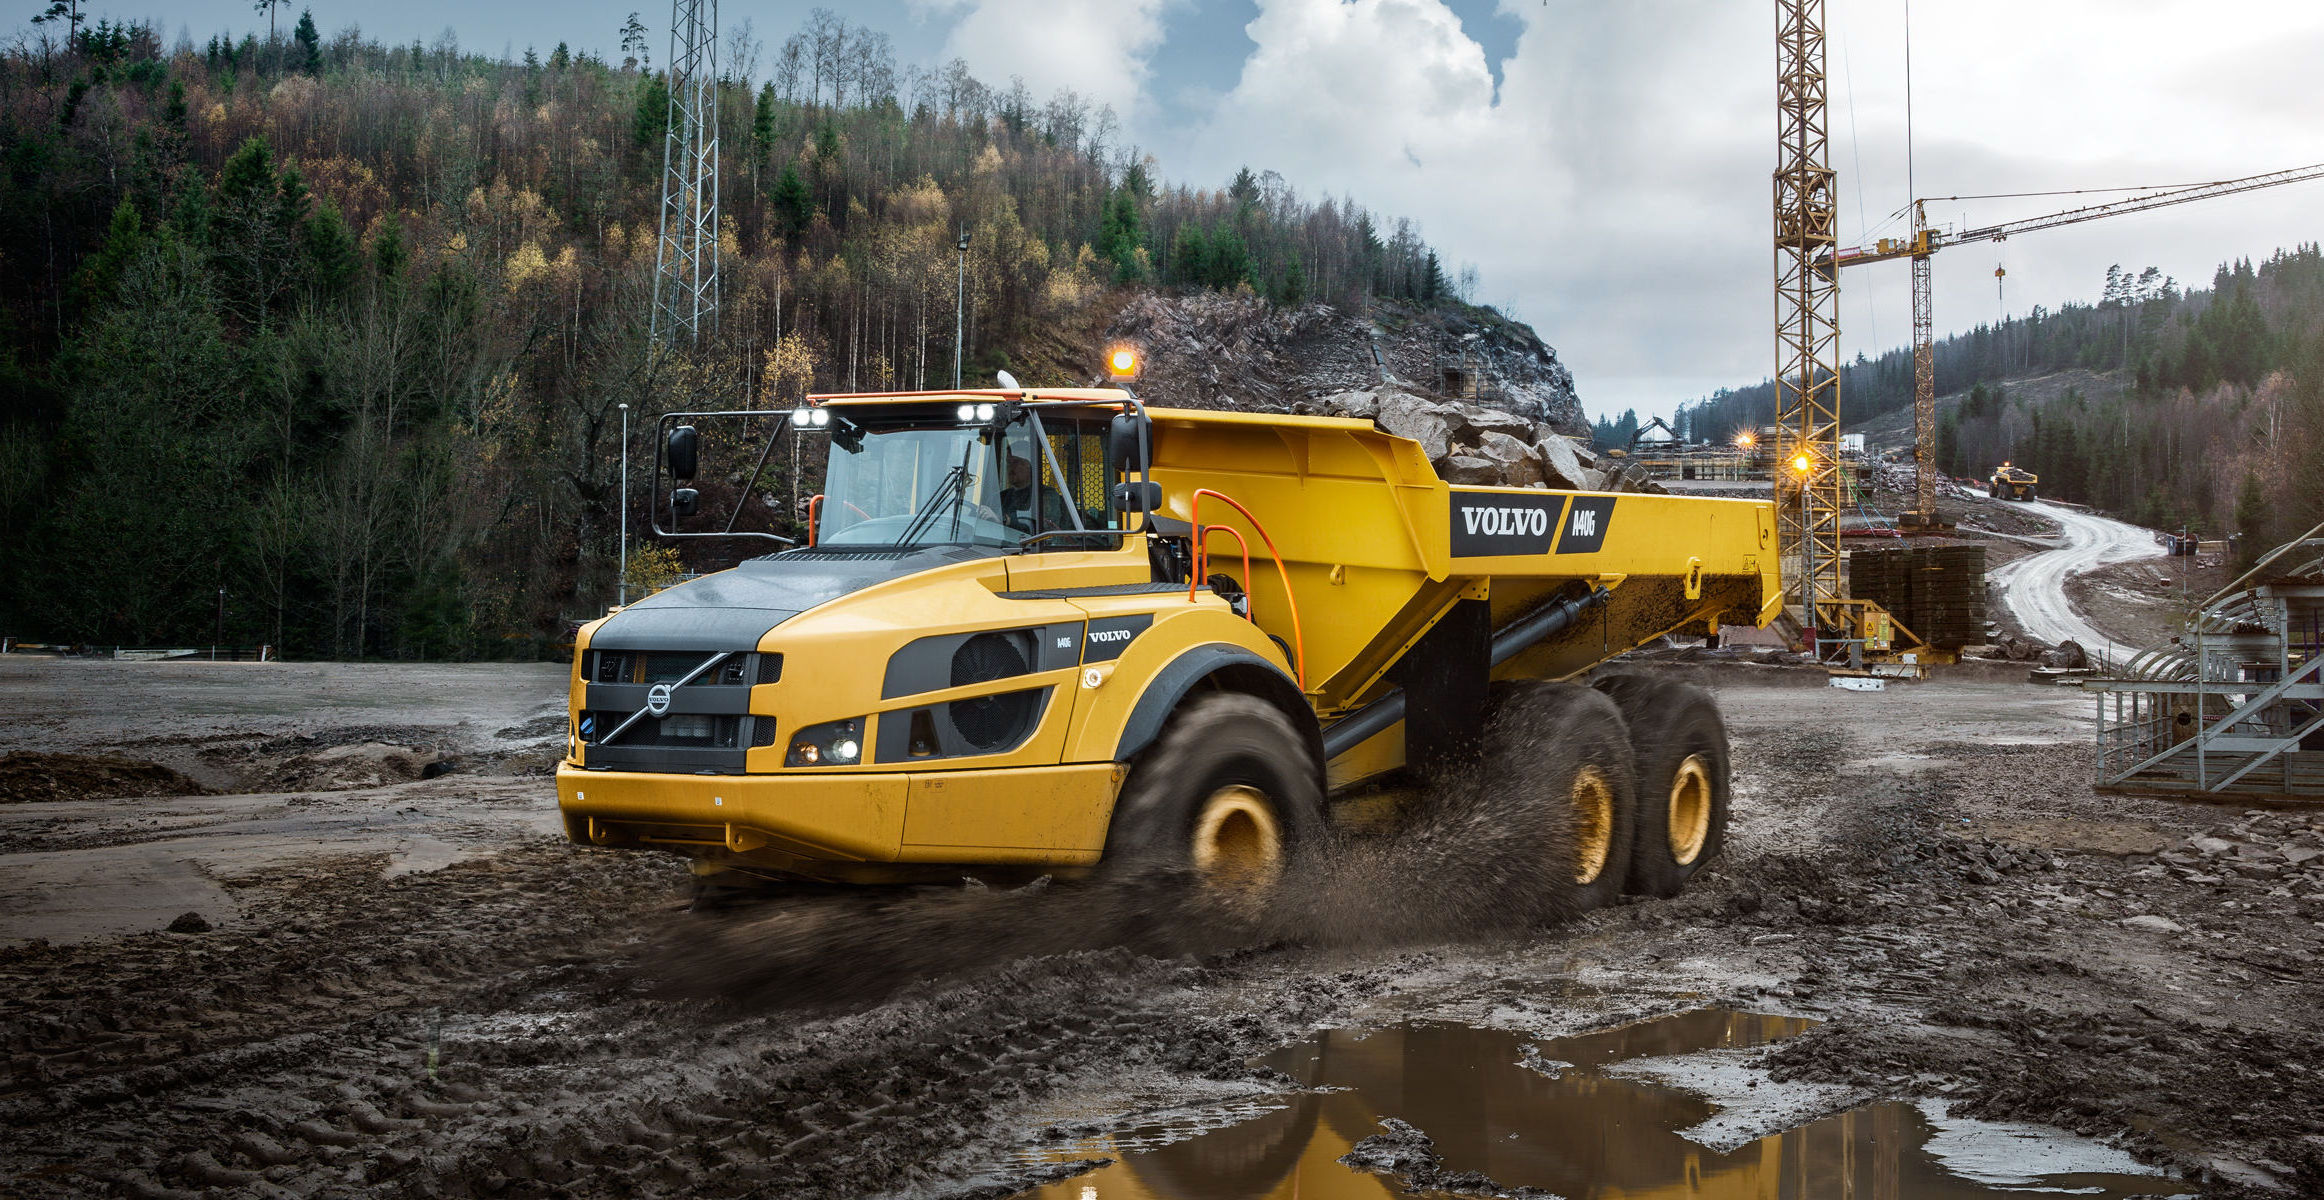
x=1202, y=560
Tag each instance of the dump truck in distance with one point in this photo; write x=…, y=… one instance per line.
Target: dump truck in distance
x=2011, y=482
x=1054, y=631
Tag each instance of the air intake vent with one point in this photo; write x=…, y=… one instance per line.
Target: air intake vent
x=989, y=722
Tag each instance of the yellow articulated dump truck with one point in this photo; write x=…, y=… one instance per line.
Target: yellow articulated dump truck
x=1054, y=632
x=2012, y=482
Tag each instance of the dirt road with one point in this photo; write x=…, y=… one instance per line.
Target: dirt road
x=1939, y=920
x=2034, y=587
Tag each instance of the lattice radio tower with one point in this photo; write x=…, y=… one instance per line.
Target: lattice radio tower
x=1807, y=316
x=686, y=261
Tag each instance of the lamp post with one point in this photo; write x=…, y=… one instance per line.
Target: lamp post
x=960, y=307
x=220, y=635
x=621, y=584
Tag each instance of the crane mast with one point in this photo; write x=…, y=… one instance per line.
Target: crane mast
x=1807, y=316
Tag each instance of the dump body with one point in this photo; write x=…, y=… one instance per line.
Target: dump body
x=1012, y=750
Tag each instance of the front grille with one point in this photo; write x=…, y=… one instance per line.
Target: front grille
x=662, y=666
x=676, y=731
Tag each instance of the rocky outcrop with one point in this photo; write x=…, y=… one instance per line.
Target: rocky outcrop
x=1236, y=351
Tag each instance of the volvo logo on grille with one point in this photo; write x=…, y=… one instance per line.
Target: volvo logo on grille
x=658, y=699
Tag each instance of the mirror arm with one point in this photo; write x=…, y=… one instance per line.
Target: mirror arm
x=661, y=446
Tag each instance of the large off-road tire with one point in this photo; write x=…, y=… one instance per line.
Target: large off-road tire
x=1562, y=751
x=1680, y=744
x=1227, y=796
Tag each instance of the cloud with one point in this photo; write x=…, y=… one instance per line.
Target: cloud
x=1588, y=195
x=1615, y=190
x=1101, y=49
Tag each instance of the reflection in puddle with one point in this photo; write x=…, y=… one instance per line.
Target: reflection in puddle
x=1576, y=1131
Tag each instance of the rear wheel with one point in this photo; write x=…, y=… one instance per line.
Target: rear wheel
x=1227, y=795
x=1679, y=745
x=1562, y=749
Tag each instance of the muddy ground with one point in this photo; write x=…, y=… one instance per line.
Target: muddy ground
x=401, y=982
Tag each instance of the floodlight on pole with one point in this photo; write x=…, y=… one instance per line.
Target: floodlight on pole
x=621, y=586
x=960, y=307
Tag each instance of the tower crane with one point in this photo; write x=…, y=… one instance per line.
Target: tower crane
x=1925, y=240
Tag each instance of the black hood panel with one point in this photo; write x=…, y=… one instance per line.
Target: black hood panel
x=733, y=609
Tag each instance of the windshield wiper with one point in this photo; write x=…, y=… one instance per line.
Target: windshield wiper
x=955, y=481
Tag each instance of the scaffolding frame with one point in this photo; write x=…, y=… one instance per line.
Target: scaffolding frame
x=2236, y=708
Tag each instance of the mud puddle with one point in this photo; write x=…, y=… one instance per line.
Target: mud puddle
x=1624, y=1112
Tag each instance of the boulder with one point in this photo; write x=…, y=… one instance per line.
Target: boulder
x=1361, y=405
x=1519, y=466
x=1470, y=469
x=1476, y=422
x=1426, y=422
x=1562, y=465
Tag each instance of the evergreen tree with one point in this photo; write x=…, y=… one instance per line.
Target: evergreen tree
x=1293, y=290
x=310, y=43
x=1120, y=236
x=387, y=252
x=794, y=205
x=1230, y=260
x=762, y=123
x=652, y=120
x=1190, y=257
x=332, y=259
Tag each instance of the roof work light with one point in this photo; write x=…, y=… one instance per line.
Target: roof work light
x=1122, y=362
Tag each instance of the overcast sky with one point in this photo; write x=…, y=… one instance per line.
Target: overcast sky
x=1606, y=165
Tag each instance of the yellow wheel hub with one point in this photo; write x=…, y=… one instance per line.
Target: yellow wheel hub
x=1238, y=845
x=1593, y=809
x=1690, y=809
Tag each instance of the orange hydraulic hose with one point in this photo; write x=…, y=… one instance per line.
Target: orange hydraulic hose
x=1298, y=640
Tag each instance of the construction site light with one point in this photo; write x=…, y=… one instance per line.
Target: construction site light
x=1801, y=463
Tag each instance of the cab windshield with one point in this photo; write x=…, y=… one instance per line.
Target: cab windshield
x=930, y=483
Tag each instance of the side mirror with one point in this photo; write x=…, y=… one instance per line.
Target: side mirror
x=1138, y=497
x=683, y=446
x=814, y=518
x=1124, y=434
x=685, y=501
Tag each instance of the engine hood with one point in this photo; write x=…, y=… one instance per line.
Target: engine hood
x=732, y=610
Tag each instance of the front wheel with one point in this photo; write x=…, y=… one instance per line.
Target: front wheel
x=1680, y=748
x=1226, y=796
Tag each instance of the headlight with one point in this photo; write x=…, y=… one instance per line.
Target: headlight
x=832, y=744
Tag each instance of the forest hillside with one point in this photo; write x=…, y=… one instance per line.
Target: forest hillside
x=2170, y=406
x=320, y=342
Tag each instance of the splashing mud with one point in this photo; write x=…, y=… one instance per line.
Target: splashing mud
x=1475, y=859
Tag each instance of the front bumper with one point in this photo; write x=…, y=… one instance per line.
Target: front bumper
x=822, y=823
